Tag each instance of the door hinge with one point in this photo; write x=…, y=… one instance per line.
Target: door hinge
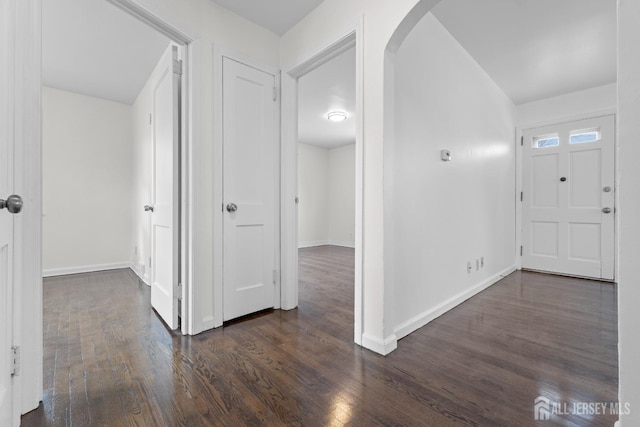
x=149, y=262
x=275, y=93
x=177, y=67
x=522, y=141
x=179, y=291
x=15, y=360
x=275, y=277
x=521, y=250
x=521, y=196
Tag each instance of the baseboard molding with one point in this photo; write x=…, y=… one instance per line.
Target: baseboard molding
x=50, y=272
x=208, y=322
x=302, y=245
x=143, y=277
x=422, y=319
x=342, y=244
x=379, y=346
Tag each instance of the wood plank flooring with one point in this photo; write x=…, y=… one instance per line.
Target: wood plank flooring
x=109, y=360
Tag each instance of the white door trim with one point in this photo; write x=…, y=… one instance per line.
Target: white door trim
x=289, y=161
x=185, y=36
x=220, y=52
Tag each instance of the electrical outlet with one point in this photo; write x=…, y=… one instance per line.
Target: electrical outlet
x=468, y=267
x=481, y=262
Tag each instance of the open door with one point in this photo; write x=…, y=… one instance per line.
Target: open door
x=9, y=205
x=249, y=183
x=6, y=256
x=165, y=194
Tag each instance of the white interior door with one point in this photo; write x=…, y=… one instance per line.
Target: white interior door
x=165, y=197
x=249, y=182
x=6, y=219
x=568, y=198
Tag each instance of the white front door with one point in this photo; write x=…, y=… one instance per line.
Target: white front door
x=249, y=183
x=568, y=198
x=6, y=218
x=165, y=197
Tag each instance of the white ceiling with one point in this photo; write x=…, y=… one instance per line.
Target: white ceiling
x=532, y=49
x=92, y=47
x=330, y=87
x=276, y=15
x=535, y=49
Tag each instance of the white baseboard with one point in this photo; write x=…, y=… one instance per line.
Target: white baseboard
x=208, y=322
x=342, y=244
x=422, y=319
x=137, y=269
x=50, y=272
x=312, y=244
x=302, y=245
x=379, y=346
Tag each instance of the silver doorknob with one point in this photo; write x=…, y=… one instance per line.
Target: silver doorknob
x=606, y=210
x=13, y=204
x=607, y=189
x=232, y=207
x=148, y=208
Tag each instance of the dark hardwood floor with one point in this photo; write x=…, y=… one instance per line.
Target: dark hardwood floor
x=109, y=360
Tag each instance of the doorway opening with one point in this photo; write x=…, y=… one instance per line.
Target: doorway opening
x=115, y=111
x=289, y=176
x=327, y=189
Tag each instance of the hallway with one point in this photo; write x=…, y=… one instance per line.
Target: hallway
x=110, y=361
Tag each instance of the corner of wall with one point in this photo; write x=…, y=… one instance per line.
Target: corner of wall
x=380, y=346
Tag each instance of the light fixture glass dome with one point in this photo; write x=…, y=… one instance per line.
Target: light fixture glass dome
x=337, y=116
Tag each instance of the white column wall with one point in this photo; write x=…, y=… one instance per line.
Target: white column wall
x=628, y=210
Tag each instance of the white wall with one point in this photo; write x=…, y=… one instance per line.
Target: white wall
x=342, y=195
x=441, y=215
x=326, y=189
x=313, y=193
x=628, y=208
x=86, y=182
x=325, y=25
x=595, y=100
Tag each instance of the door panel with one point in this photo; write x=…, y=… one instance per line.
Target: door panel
x=165, y=190
x=249, y=182
x=585, y=179
x=6, y=219
x=566, y=170
x=545, y=173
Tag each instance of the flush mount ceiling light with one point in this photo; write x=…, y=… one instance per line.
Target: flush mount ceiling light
x=337, y=116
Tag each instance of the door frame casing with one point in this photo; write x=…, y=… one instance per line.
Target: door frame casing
x=519, y=171
x=289, y=160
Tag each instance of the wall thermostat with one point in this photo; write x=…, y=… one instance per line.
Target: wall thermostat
x=445, y=155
